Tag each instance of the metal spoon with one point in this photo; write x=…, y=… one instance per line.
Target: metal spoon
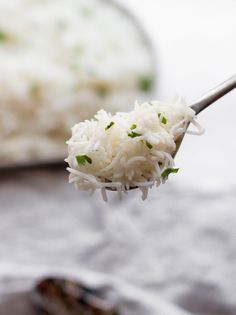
x=202, y=103
x=207, y=99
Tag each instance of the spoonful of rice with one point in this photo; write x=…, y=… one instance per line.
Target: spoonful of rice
x=134, y=149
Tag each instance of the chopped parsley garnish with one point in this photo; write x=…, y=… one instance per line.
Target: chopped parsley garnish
x=168, y=171
x=3, y=36
x=148, y=144
x=145, y=83
x=110, y=125
x=164, y=120
x=82, y=159
x=133, y=134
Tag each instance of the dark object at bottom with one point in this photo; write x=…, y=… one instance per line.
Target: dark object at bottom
x=54, y=296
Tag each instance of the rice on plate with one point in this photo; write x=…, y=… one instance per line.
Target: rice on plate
x=60, y=62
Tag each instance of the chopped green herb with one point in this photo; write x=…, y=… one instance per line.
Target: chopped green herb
x=133, y=127
x=3, y=36
x=168, y=171
x=110, y=125
x=164, y=120
x=133, y=134
x=148, y=144
x=82, y=159
x=145, y=83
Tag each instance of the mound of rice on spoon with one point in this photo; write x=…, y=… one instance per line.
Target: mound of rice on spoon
x=129, y=149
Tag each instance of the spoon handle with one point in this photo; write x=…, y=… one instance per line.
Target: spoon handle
x=214, y=94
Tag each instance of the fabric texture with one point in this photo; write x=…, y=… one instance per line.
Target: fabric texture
x=173, y=254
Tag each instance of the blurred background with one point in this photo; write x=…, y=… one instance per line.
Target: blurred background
x=60, y=62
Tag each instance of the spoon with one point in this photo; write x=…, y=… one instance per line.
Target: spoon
x=199, y=105
x=206, y=100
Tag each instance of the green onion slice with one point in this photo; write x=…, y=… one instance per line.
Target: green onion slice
x=133, y=134
x=82, y=159
x=148, y=144
x=110, y=125
x=164, y=120
x=145, y=83
x=168, y=171
x=133, y=127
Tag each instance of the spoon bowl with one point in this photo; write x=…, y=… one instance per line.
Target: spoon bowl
x=199, y=105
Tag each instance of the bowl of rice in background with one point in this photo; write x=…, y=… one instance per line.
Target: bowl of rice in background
x=60, y=62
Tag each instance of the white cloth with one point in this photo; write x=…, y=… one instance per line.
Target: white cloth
x=172, y=254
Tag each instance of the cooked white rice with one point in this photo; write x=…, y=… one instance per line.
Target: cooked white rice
x=126, y=150
x=60, y=62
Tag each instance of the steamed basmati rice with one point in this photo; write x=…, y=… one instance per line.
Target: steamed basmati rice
x=128, y=149
x=60, y=62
